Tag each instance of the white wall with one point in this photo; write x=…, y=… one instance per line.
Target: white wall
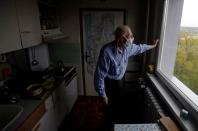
x=70, y=24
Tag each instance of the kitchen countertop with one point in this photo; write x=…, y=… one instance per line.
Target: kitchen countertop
x=29, y=105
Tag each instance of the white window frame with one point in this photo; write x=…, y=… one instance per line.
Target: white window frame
x=168, y=40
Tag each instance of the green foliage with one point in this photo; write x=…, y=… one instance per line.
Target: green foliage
x=186, y=66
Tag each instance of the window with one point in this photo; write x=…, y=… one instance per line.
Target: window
x=186, y=65
x=178, y=55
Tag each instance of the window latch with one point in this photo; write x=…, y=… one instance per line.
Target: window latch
x=184, y=114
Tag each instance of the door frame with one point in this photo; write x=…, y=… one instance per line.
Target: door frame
x=81, y=10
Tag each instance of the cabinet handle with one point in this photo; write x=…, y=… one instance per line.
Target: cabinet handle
x=26, y=32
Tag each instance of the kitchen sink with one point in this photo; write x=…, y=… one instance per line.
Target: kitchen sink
x=8, y=114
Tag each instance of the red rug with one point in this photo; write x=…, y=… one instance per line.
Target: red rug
x=86, y=115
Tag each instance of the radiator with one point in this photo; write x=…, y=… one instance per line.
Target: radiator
x=153, y=107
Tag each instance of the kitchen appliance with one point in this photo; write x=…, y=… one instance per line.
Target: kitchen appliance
x=61, y=71
x=34, y=90
x=34, y=61
x=60, y=68
x=39, y=57
x=6, y=96
x=29, y=85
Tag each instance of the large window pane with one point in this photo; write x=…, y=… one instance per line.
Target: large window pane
x=186, y=66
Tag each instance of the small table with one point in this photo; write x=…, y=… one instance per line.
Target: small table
x=137, y=127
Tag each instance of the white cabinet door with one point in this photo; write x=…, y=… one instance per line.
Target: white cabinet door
x=19, y=24
x=47, y=122
x=64, y=98
x=29, y=22
x=71, y=94
x=9, y=31
x=59, y=103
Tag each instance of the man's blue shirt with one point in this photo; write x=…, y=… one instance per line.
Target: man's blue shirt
x=112, y=64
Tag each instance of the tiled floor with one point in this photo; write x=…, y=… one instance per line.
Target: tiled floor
x=88, y=115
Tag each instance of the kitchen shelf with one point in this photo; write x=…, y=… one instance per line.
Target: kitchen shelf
x=48, y=14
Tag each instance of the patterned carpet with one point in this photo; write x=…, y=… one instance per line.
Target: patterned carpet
x=87, y=115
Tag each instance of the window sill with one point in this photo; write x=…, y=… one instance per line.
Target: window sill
x=173, y=104
x=185, y=91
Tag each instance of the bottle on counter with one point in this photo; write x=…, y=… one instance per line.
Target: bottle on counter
x=6, y=71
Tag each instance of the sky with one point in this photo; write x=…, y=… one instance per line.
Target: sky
x=190, y=13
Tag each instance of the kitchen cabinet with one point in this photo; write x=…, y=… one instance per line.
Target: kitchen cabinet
x=48, y=14
x=29, y=22
x=71, y=94
x=47, y=122
x=64, y=98
x=9, y=31
x=19, y=24
x=59, y=105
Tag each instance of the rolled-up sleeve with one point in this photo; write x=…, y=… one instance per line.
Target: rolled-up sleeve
x=138, y=49
x=101, y=72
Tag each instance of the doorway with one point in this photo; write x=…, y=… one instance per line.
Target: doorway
x=97, y=27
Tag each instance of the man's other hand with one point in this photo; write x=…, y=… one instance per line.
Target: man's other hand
x=105, y=100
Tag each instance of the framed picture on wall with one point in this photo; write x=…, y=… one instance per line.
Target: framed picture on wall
x=97, y=29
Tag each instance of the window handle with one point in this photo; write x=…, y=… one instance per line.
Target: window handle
x=184, y=114
x=87, y=56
